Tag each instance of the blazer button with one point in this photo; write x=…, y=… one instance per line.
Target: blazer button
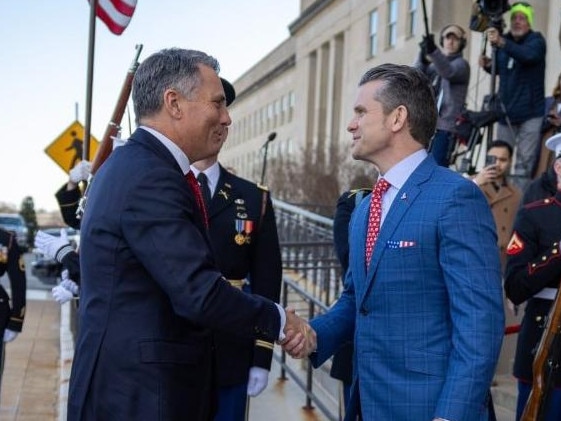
x=363, y=311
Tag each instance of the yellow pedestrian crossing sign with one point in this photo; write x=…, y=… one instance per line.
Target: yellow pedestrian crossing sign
x=66, y=150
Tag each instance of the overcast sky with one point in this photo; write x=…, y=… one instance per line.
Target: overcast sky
x=43, y=61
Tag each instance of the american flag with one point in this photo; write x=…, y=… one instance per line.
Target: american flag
x=116, y=14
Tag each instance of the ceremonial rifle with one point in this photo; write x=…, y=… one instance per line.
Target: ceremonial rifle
x=546, y=363
x=106, y=146
x=112, y=130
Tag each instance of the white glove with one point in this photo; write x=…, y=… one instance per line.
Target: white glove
x=61, y=294
x=258, y=379
x=80, y=172
x=64, y=235
x=48, y=244
x=68, y=283
x=10, y=335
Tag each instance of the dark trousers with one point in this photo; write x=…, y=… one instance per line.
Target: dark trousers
x=232, y=403
x=553, y=412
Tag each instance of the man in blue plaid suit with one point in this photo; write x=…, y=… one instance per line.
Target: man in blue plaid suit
x=426, y=312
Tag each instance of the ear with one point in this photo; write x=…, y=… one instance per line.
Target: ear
x=171, y=103
x=398, y=118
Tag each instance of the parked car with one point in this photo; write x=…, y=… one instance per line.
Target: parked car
x=48, y=270
x=15, y=223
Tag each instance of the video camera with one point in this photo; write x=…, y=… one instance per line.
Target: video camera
x=488, y=13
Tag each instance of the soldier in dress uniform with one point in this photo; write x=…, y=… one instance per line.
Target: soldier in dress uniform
x=245, y=244
x=11, y=313
x=342, y=363
x=533, y=275
x=69, y=195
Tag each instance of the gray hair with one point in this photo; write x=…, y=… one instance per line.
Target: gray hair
x=172, y=68
x=407, y=86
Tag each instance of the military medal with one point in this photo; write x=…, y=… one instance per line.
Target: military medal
x=248, y=228
x=239, y=238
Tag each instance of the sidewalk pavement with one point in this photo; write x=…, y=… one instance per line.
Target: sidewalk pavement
x=37, y=369
x=30, y=383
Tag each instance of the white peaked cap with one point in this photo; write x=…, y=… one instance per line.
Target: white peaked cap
x=554, y=144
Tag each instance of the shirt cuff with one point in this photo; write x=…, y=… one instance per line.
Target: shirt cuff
x=282, y=321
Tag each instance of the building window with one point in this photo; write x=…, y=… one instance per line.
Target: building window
x=413, y=4
x=392, y=23
x=373, y=33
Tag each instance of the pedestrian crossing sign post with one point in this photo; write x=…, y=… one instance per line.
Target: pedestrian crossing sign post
x=66, y=150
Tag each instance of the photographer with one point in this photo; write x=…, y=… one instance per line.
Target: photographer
x=449, y=73
x=503, y=198
x=520, y=65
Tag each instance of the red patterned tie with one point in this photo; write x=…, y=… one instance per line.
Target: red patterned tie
x=192, y=181
x=375, y=216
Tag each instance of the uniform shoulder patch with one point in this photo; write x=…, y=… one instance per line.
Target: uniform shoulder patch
x=515, y=245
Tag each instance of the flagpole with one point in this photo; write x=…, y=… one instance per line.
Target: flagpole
x=89, y=84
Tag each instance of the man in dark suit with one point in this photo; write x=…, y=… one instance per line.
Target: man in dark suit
x=423, y=295
x=11, y=316
x=151, y=295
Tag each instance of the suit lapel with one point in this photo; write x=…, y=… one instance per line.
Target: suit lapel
x=398, y=210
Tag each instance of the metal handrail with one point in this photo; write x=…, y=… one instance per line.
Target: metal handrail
x=311, y=284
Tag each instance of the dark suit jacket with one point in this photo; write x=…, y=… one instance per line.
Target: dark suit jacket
x=242, y=211
x=151, y=294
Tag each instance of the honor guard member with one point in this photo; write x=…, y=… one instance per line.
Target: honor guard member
x=342, y=364
x=533, y=275
x=11, y=313
x=245, y=244
x=69, y=195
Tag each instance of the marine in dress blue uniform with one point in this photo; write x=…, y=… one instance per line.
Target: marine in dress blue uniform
x=533, y=274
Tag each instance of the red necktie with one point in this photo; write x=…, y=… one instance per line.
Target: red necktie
x=375, y=216
x=192, y=181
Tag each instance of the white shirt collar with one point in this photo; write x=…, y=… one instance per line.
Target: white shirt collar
x=177, y=153
x=400, y=172
x=212, y=174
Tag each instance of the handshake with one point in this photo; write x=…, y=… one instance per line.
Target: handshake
x=299, y=339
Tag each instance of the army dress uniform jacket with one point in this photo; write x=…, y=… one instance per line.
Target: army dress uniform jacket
x=534, y=263
x=245, y=244
x=11, y=262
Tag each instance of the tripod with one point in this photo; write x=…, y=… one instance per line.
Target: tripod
x=481, y=123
